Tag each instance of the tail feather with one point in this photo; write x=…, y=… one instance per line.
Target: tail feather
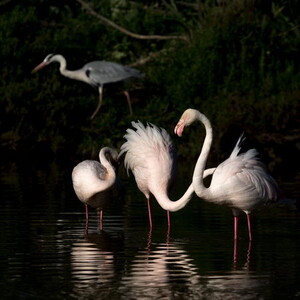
x=237, y=147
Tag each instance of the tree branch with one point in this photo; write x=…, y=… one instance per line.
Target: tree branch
x=90, y=11
x=151, y=56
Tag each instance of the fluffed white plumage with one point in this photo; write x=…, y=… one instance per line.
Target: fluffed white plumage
x=92, y=180
x=151, y=156
x=241, y=181
x=244, y=182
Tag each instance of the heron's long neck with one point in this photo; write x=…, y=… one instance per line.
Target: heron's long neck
x=63, y=68
x=167, y=204
x=198, y=175
x=111, y=177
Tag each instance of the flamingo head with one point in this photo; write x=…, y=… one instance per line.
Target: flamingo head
x=187, y=118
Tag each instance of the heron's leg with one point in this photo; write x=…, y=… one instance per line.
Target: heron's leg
x=99, y=103
x=100, y=219
x=236, y=225
x=149, y=212
x=249, y=227
x=128, y=101
x=86, y=219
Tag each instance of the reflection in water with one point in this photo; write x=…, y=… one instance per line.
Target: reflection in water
x=44, y=253
x=166, y=270
x=238, y=283
x=242, y=284
x=155, y=270
x=235, y=253
x=92, y=263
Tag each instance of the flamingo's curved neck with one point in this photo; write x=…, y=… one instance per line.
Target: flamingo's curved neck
x=167, y=204
x=198, y=175
x=111, y=174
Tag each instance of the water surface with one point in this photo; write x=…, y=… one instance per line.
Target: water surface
x=46, y=253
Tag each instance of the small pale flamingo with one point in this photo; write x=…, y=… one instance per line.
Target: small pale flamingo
x=92, y=180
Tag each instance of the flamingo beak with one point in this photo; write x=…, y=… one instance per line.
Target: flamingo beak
x=179, y=127
x=40, y=66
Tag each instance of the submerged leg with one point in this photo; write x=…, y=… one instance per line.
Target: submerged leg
x=149, y=213
x=128, y=101
x=99, y=103
x=235, y=252
x=86, y=219
x=249, y=226
x=100, y=219
x=247, y=264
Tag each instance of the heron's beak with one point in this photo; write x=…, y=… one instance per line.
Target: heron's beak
x=179, y=127
x=38, y=67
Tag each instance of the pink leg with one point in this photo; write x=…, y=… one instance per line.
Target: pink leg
x=169, y=227
x=249, y=227
x=86, y=219
x=168, y=217
x=100, y=219
x=236, y=225
x=149, y=213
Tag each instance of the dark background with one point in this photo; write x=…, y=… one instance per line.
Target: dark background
x=236, y=61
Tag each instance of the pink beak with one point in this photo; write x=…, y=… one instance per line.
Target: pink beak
x=179, y=128
x=40, y=66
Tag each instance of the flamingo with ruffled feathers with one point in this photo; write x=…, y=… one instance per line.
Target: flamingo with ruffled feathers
x=241, y=181
x=151, y=156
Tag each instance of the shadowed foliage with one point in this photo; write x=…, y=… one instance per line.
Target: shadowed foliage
x=239, y=64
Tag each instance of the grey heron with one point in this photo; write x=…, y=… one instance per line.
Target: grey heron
x=95, y=73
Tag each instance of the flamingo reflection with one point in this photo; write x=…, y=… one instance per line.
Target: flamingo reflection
x=155, y=270
x=93, y=262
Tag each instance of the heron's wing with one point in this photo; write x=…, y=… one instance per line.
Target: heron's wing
x=102, y=72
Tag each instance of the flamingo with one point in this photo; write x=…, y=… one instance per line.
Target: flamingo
x=241, y=181
x=151, y=156
x=95, y=73
x=92, y=180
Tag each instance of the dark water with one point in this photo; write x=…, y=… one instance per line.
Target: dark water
x=45, y=253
